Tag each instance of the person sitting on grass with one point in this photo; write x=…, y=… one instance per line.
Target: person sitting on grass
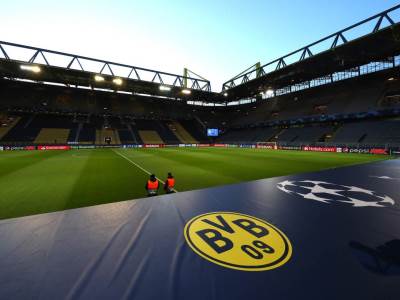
x=169, y=184
x=152, y=186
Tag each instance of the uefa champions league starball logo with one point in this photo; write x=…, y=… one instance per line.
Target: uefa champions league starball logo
x=330, y=193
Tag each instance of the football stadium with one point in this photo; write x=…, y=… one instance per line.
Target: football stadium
x=120, y=181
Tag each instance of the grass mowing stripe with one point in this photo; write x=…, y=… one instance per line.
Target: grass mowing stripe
x=138, y=166
x=38, y=182
x=39, y=187
x=104, y=178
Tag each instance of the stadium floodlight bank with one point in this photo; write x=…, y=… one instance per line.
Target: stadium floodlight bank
x=76, y=70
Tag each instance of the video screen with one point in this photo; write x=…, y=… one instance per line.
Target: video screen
x=212, y=132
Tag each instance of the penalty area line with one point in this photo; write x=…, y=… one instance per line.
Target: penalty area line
x=138, y=166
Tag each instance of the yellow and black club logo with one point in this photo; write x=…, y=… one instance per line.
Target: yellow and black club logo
x=238, y=241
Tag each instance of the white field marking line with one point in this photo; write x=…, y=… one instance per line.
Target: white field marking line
x=140, y=167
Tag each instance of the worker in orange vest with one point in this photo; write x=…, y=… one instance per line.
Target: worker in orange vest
x=152, y=186
x=169, y=184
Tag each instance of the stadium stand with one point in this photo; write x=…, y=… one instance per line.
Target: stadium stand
x=126, y=136
x=153, y=132
x=150, y=137
x=22, y=131
x=309, y=134
x=377, y=132
x=7, y=123
x=357, y=110
x=249, y=135
x=52, y=136
x=167, y=134
x=181, y=133
x=194, y=129
x=86, y=134
x=103, y=134
x=348, y=96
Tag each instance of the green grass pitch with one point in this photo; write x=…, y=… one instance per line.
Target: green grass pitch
x=33, y=182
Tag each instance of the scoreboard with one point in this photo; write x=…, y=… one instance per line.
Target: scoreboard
x=212, y=132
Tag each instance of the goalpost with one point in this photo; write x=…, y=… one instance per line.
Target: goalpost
x=267, y=145
x=395, y=153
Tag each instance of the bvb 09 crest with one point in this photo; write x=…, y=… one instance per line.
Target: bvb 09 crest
x=238, y=241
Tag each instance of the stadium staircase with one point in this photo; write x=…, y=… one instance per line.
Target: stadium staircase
x=328, y=137
x=8, y=122
x=135, y=132
x=125, y=131
x=101, y=134
x=52, y=136
x=21, y=131
x=126, y=136
x=161, y=127
x=87, y=134
x=181, y=133
x=362, y=138
x=195, y=130
x=200, y=122
x=132, y=133
x=78, y=131
x=29, y=121
x=275, y=137
x=166, y=133
x=150, y=137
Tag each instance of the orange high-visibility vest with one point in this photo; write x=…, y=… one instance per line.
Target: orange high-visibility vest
x=152, y=185
x=171, y=182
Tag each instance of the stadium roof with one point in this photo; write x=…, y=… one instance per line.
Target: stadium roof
x=339, y=53
x=45, y=65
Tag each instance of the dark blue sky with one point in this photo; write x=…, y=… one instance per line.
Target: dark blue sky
x=216, y=39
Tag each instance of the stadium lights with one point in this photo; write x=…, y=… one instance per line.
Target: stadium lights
x=225, y=94
x=117, y=81
x=269, y=92
x=98, y=78
x=34, y=69
x=165, y=88
x=186, y=92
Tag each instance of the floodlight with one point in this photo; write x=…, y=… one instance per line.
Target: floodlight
x=225, y=94
x=186, y=92
x=165, y=88
x=117, y=81
x=34, y=69
x=98, y=78
x=269, y=92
